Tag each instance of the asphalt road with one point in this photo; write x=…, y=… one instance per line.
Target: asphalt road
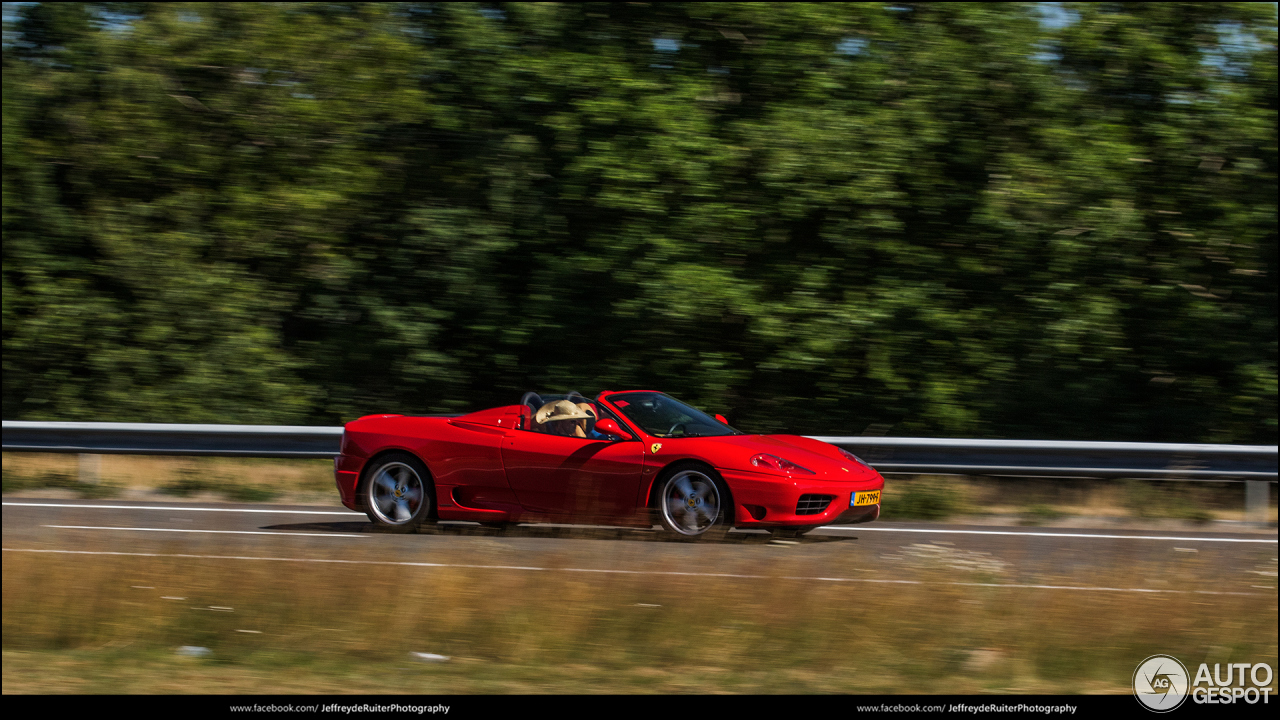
x=1054, y=559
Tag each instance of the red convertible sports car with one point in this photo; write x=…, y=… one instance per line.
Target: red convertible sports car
x=625, y=458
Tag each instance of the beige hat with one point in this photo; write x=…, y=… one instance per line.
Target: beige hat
x=561, y=410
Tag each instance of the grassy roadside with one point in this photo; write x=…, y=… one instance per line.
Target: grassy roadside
x=116, y=624
x=1025, y=501
x=1036, y=501
x=140, y=476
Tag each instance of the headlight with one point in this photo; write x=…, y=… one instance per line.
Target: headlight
x=855, y=458
x=773, y=462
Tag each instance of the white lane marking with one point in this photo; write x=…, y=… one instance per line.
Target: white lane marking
x=276, y=559
x=1046, y=534
x=188, y=509
x=216, y=532
x=1095, y=588
x=846, y=528
x=628, y=572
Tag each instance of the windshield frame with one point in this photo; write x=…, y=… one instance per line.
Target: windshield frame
x=697, y=416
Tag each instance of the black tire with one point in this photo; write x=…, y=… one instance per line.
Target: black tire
x=693, y=503
x=397, y=492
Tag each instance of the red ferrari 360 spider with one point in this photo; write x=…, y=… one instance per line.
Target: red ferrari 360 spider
x=625, y=458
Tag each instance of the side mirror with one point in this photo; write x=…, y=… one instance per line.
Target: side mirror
x=609, y=427
x=721, y=418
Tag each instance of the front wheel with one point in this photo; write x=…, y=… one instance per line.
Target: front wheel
x=398, y=493
x=693, y=504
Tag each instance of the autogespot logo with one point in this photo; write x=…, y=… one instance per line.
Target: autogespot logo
x=1160, y=683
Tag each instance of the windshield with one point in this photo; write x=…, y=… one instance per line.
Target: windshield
x=664, y=416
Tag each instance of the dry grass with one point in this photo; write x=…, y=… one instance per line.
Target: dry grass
x=71, y=625
x=1039, y=500
x=214, y=478
x=1030, y=500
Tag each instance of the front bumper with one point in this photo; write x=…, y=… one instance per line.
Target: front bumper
x=857, y=515
x=770, y=501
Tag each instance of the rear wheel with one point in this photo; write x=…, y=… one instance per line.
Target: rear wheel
x=397, y=492
x=693, y=503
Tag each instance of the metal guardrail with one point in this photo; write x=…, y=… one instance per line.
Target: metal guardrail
x=281, y=441
x=1058, y=458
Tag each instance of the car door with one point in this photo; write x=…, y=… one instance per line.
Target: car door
x=571, y=477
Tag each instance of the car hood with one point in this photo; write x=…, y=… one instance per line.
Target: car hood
x=734, y=452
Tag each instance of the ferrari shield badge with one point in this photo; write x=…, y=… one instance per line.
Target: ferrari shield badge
x=654, y=448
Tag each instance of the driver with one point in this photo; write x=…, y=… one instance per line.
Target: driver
x=561, y=417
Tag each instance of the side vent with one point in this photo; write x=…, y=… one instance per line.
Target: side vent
x=813, y=504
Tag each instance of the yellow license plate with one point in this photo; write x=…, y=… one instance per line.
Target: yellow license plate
x=870, y=497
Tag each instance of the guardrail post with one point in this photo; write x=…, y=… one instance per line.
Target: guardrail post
x=90, y=468
x=1257, y=499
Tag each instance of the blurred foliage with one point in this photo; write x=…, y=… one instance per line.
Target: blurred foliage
x=924, y=498
x=943, y=219
x=1040, y=513
x=14, y=482
x=190, y=481
x=1179, y=500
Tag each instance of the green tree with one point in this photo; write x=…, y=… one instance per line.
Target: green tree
x=927, y=218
